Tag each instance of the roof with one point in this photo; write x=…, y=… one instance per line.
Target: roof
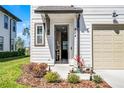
x=9, y=13
x=58, y=9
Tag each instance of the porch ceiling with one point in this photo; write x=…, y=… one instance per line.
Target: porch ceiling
x=58, y=9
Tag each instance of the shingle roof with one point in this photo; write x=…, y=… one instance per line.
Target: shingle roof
x=58, y=9
x=9, y=13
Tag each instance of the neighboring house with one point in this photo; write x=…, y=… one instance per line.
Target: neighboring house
x=96, y=33
x=7, y=30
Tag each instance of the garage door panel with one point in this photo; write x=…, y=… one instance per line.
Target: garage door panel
x=101, y=46
x=105, y=33
x=105, y=55
x=108, y=49
x=100, y=38
x=109, y=65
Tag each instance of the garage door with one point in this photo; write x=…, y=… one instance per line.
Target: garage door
x=108, y=46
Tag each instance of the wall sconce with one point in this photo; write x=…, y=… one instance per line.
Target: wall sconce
x=115, y=21
x=114, y=15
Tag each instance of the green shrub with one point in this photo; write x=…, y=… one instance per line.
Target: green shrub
x=52, y=77
x=97, y=79
x=73, y=78
x=8, y=54
x=37, y=70
x=21, y=51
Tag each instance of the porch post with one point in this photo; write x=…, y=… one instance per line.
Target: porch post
x=78, y=36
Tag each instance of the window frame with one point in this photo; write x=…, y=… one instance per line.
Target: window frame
x=5, y=16
x=43, y=37
x=2, y=43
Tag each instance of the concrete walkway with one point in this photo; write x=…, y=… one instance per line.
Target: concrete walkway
x=64, y=69
x=115, y=78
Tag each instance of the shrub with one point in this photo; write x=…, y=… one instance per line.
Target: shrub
x=8, y=54
x=37, y=70
x=52, y=77
x=73, y=78
x=21, y=51
x=97, y=79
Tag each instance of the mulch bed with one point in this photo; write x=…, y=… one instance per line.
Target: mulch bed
x=29, y=80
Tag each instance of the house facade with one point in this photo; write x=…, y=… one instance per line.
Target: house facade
x=95, y=33
x=7, y=30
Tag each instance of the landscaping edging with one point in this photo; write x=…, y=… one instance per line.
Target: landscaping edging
x=29, y=80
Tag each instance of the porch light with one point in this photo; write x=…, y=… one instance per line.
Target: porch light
x=114, y=15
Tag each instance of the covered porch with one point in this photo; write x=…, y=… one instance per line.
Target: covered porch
x=62, y=26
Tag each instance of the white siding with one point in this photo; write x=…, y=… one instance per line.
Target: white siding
x=92, y=15
x=46, y=53
x=96, y=15
x=6, y=32
x=39, y=53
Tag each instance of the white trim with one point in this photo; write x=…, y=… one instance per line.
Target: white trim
x=43, y=34
x=91, y=35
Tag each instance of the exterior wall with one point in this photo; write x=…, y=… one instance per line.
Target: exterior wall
x=47, y=53
x=39, y=53
x=91, y=14
x=96, y=15
x=6, y=32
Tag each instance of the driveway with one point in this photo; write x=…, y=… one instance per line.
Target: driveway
x=115, y=78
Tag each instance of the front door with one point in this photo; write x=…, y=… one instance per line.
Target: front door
x=61, y=44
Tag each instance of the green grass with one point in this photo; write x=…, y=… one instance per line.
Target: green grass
x=10, y=70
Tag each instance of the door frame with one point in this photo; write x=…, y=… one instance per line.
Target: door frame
x=66, y=24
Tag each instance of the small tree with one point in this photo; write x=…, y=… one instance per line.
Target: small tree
x=19, y=43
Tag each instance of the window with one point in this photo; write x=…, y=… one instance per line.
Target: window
x=40, y=34
x=1, y=43
x=5, y=21
x=14, y=26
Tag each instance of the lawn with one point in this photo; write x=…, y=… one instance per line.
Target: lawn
x=10, y=70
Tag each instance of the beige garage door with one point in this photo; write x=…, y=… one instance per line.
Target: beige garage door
x=108, y=46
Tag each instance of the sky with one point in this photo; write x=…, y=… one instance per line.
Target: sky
x=23, y=13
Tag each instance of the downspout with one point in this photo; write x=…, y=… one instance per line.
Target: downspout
x=10, y=35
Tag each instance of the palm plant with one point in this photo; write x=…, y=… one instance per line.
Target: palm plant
x=26, y=32
x=19, y=43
